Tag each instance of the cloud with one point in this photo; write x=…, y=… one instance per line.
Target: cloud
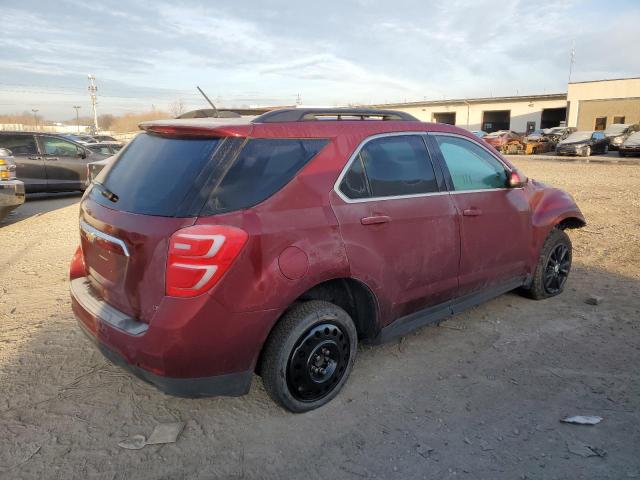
x=266, y=52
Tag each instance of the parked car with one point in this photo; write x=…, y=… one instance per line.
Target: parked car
x=276, y=247
x=583, y=143
x=82, y=139
x=501, y=138
x=105, y=148
x=556, y=134
x=94, y=168
x=47, y=162
x=479, y=133
x=106, y=138
x=11, y=189
x=631, y=145
x=617, y=133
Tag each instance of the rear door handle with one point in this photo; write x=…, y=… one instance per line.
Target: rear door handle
x=472, y=212
x=375, y=219
x=51, y=159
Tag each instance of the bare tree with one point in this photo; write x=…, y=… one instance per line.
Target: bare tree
x=177, y=108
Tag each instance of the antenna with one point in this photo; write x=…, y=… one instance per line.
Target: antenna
x=207, y=99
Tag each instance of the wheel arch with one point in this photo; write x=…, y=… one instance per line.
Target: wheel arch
x=352, y=295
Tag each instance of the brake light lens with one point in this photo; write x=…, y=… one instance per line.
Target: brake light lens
x=199, y=256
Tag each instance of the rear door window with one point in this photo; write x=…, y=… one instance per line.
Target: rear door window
x=263, y=167
x=398, y=165
x=20, y=145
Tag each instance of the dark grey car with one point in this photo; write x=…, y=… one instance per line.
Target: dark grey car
x=47, y=162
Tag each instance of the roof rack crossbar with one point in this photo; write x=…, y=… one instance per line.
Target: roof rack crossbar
x=309, y=114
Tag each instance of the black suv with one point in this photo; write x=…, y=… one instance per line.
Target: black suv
x=48, y=162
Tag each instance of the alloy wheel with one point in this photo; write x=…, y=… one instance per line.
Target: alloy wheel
x=557, y=269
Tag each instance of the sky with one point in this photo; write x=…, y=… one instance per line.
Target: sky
x=265, y=53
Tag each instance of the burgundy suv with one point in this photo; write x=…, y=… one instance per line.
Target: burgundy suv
x=210, y=252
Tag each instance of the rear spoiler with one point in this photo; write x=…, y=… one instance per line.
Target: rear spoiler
x=205, y=127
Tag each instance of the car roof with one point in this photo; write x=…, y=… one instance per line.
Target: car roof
x=253, y=127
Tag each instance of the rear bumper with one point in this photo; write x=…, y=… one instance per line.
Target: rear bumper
x=206, y=352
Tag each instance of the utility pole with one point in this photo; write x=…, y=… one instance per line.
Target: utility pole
x=35, y=118
x=77, y=107
x=572, y=59
x=93, y=94
x=298, y=100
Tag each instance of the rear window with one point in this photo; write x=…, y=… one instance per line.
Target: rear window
x=175, y=177
x=153, y=175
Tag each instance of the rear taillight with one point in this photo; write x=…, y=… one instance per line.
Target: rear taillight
x=199, y=256
x=7, y=170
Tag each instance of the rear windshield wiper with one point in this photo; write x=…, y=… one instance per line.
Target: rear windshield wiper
x=106, y=193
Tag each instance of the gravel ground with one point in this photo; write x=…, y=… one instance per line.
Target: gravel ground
x=479, y=397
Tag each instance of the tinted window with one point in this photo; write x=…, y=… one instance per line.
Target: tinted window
x=59, y=148
x=262, y=168
x=19, y=144
x=471, y=167
x=154, y=175
x=398, y=165
x=354, y=183
x=598, y=135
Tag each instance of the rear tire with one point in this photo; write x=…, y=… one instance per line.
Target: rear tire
x=621, y=153
x=554, y=265
x=309, y=355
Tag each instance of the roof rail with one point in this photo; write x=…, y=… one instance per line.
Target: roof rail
x=307, y=114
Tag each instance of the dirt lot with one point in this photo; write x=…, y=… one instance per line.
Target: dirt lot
x=479, y=397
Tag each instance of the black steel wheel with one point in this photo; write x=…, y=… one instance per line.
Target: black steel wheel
x=557, y=270
x=554, y=265
x=318, y=361
x=309, y=355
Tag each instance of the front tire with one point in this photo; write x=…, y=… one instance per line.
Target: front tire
x=587, y=152
x=554, y=265
x=309, y=355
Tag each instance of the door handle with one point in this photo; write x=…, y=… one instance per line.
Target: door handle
x=472, y=212
x=35, y=157
x=51, y=159
x=375, y=219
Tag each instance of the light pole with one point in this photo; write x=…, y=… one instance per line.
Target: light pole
x=77, y=107
x=93, y=94
x=35, y=118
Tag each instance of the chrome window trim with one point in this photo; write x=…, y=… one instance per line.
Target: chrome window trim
x=345, y=169
x=354, y=155
x=105, y=236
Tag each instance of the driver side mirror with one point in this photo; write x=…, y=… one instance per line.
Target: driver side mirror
x=516, y=180
x=82, y=154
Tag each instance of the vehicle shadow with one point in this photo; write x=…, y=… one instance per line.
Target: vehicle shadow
x=40, y=203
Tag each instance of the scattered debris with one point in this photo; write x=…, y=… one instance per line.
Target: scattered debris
x=423, y=450
x=133, y=443
x=582, y=420
x=163, y=433
x=484, y=445
x=593, y=300
x=582, y=449
x=467, y=441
